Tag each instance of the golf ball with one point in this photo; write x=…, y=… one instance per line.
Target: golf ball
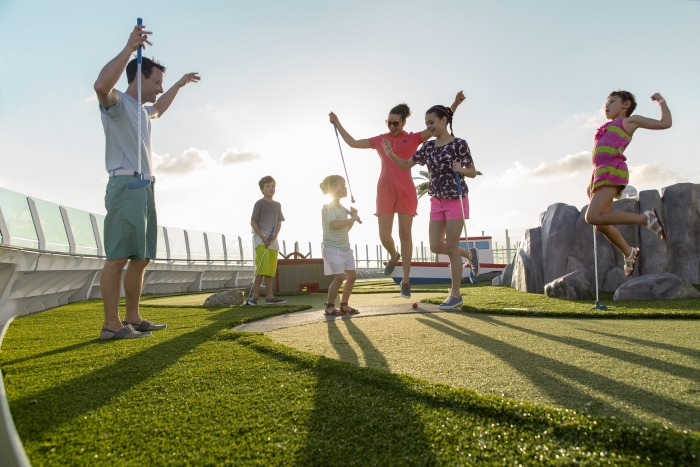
x=415, y=305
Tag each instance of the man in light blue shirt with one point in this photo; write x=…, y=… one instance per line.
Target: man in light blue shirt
x=130, y=225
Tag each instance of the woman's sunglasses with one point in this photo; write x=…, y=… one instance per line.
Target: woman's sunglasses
x=390, y=123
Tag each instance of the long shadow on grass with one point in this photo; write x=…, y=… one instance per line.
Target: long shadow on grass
x=663, y=366
x=68, y=348
x=373, y=357
x=364, y=416
x=694, y=353
x=340, y=344
x=550, y=375
x=41, y=412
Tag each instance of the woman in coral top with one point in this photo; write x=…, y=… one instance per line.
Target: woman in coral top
x=396, y=193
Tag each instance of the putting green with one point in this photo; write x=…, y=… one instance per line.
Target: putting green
x=639, y=370
x=316, y=300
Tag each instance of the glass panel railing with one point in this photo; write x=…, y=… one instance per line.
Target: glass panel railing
x=18, y=218
x=233, y=250
x=215, y=242
x=176, y=242
x=101, y=226
x=161, y=247
x=198, y=250
x=52, y=225
x=83, y=233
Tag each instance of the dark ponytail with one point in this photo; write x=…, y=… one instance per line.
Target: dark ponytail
x=401, y=109
x=442, y=111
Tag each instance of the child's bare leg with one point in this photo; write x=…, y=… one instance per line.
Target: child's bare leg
x=386, y=225
x=335, y=286
x=350, y=277
x=453, y=232
x=439, y=236
x=268, y=287
x=615, y=237
x=405, y=223
x=256, y=288
x=436, y=231
x=600, y=209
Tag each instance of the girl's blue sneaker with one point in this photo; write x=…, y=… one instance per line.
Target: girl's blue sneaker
x=451, y=303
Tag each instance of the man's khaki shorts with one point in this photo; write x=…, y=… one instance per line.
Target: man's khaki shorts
x=131, y=224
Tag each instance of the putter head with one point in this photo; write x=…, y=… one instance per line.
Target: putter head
x=472, y=277
x=598, y=306
x=139, y=182
x=352, y=200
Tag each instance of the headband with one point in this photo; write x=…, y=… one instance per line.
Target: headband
x=440, y=109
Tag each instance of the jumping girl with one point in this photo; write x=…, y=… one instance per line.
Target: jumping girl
x=444, y=156
x=338, y=259
x=610, y=174
x=396, y=192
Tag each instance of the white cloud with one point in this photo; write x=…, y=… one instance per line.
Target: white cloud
x=654, y=176
x=590, y=119
x=195, y=159
x=235, y=156
x=565, y=167
x=91, y=98
x=190, y=160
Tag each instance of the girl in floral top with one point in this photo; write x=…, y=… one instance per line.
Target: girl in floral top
x=610, y=173
x=444, y=156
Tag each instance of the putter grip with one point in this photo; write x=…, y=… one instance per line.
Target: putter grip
x=336, y=129
x=139, y=22
x=459, y=183
x=272, y=232
x=359, y=221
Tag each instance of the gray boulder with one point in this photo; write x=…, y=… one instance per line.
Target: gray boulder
x=228, y=298
x=497, y=280
x=563, y=243
x=262, y=291
x=681, y=219
x=654, y=255
x=558, y=228
x=656, y=286
x=527, y=265
x=573, y=286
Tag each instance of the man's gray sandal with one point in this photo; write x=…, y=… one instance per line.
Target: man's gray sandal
x=127, y=332
x=145, y=326
x=391, y=265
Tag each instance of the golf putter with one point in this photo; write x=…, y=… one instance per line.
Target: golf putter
x=472, y=277
x=139, y=182
x=352, y=198
x=597, y=306
x=359, y=221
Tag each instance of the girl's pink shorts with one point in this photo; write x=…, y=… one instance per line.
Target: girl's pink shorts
x=448, y=209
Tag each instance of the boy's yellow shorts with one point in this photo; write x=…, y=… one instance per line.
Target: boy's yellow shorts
x=269, y=263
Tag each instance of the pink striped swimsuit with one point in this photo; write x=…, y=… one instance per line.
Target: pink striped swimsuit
x=609, y=167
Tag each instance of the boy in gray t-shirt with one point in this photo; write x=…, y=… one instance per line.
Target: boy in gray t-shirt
x=267, y=215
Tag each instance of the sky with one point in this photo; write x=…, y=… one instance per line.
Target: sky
x=535, y=75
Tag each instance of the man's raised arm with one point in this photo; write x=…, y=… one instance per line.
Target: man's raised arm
x=167, y=98
x=112, y=71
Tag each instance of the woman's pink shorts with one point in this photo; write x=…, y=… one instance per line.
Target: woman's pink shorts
x=448, y=209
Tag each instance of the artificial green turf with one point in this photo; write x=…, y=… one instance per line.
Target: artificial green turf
x=484, y=298
x=199, y=394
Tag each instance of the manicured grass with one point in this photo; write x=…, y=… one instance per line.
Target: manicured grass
x=638, y=370
x=199, y=394
x=484, y=298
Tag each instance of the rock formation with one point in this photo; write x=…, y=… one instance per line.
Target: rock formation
x=563, y=243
